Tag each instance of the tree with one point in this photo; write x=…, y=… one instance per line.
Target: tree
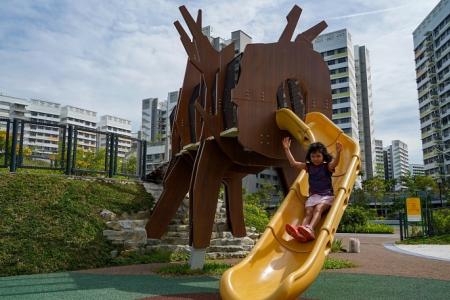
x=376, y=188
x=414, y=184
x=390, y=184
x=129, y=164
x=2, y=141
x=90, y=160
x=424, y=182
x=263, y=195
x=359, y=198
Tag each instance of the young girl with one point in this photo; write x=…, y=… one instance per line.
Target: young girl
x=319, y=165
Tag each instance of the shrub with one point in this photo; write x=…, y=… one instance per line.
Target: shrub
x=354, y=216
x=337, y=246
x=441, y=221
x=335, y=263
x=368, y=228
x=255, y=216
x=416, y=231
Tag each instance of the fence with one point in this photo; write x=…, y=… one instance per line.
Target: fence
x=426, y=227
x=391, y=203
x=71, y=149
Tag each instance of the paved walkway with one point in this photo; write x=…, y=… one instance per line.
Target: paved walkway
x=440, y=252
x=376, y=259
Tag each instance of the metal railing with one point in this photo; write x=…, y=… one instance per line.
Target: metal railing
x=426, y=227
x=71, y=149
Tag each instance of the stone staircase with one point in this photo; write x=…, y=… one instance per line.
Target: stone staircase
x=129, y=231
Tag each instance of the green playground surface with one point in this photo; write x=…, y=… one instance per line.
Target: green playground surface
x=75, y=285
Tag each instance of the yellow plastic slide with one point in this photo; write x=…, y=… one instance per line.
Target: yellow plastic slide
x=278, y=266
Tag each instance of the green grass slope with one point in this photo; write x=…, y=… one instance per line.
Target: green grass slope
x=52, y=223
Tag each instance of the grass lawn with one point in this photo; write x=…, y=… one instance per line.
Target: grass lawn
x=434, y=240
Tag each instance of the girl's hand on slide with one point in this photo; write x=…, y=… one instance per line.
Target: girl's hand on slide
x=286, y=143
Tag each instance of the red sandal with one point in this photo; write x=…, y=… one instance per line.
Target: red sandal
x=292, y=231
x=307, y=232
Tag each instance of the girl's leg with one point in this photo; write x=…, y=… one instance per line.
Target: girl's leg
x=317, y=214
x=308, y=215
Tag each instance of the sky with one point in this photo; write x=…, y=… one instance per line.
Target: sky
x=107, y=55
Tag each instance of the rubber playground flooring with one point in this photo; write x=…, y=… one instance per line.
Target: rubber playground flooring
x=75, y=285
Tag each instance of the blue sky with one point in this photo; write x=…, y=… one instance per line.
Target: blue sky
x=109, y=55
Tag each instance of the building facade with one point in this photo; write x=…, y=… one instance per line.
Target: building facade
x=379, y=154
x=432, y=57
x=397, y=161
x=365, y=111
x=119, y=126
x=13, y=107
x=43, y=139
x=156, y=128
x=417, y=170
x=149, y=118
x=82, y=118
x=351, y=87
x=238, y=37
x=337, y=50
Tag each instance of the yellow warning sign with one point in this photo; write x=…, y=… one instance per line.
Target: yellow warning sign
x=413, y=210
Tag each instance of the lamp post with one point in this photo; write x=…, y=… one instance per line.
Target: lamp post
x=439, y=182
x=427, y=213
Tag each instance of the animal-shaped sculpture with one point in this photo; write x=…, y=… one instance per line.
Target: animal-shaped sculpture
x=224, y=127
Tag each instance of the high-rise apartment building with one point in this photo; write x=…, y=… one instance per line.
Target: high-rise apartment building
x=365, y=111
x=337, y=50
x=82, y=118
x=396, y=161
x=43, y=139
x=417, y=170
x=351, y=89
x=156, y=128
x=149, y=118
x=119, y=126
x=432, y=57
x=238, y=37
x=13, y=107
x=379, y=165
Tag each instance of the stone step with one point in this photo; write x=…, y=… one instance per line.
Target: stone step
x=133, y=245
x=176, y=234
x=221, y=227
x=220, y=235
x=233, y=241
x=179, y=221
x=153, y=242
x=178, y=228
x=126, y=224
x=128, y=234
x=175, y=241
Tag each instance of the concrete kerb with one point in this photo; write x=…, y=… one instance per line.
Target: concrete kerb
x=393, y=247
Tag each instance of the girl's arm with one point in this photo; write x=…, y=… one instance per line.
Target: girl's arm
x=296, y=164
x=335, y=161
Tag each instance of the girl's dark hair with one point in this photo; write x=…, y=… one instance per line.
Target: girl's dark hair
x=318, y=147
